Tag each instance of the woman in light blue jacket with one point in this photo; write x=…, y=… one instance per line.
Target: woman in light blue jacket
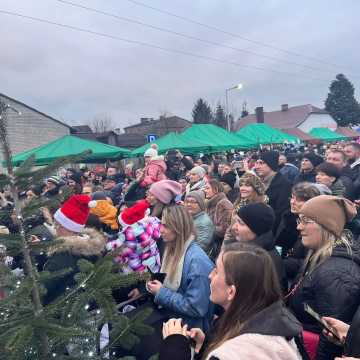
x=186, y=288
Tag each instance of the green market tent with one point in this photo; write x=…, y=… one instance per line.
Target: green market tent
x=71, y=145
x=265, y=134
x=173, y=141
x=326, y=134
x=216, y=137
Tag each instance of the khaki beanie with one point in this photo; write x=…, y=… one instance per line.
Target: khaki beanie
x=331, y=212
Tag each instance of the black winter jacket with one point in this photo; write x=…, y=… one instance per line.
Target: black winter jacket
x=267, y=242
x=309, y=177
x=279, y=193
x=275, y=320
x=352, y=343
x=332, y=289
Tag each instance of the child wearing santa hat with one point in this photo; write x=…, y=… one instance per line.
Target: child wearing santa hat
x=137, y=239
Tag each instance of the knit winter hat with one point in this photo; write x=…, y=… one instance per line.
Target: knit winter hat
x=74, y=213
x=133, y=214
x=331, y=212
x=259, y=217
x=199, y=196
x=76, y=177
x=165, y=190
x=313, y=158
x=229, y=178
x=250, y=179
x=105, y=211
x=54, y=179
x=151, y=151
x=198, y=170
x=271, y=158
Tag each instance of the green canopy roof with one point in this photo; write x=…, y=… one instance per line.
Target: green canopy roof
x=216, y=137
x=265, y=134
x=173, y=141
x=71, y=145
x=326, y=134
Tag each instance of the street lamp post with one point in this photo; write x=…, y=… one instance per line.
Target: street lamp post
x=236, y=87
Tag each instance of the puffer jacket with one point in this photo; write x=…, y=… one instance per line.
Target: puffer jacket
x=331, y=289
x=204, y=230
x=154, y=171
x=338, y=188
x=88, y=245
x=139, y=250
x=271, y=334
x=219, y=208
x=191, y=301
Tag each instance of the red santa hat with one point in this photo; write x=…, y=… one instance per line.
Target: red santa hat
x=74, y=212
x=134, y=214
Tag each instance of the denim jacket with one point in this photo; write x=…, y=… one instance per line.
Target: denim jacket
x=191, y=301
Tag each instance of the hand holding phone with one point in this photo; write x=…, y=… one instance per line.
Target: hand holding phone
x=324, y=324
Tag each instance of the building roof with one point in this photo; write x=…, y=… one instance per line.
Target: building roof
x=291, y=118
x=156, y=122
x=33, y=109
x=348, y=132
x=130, y=140
x=299, y=133
x=82, y=129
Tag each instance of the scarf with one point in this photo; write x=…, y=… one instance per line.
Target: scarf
x=174, y=283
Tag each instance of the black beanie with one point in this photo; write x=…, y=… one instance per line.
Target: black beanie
x=258, y=217
x=313, y=158
x=229, y=178
x=271, y=158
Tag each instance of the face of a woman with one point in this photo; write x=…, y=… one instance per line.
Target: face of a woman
x=151, y=199
x=167, y=234
x=220, y=292
x=209, y=192
x=296, y=204
x=322, y=178
x=310, y=232
x=246, y=191
x=241, y=231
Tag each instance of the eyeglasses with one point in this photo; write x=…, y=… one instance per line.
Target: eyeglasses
x=303, y=220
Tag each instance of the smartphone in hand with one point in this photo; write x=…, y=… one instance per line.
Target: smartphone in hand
x=157, y=276
x=321, y=321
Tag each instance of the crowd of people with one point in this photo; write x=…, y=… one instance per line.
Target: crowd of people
x=239, y=247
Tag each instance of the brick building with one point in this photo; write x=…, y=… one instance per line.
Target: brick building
x=30, y=128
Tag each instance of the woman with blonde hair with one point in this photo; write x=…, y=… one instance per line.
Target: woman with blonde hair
x=186, y=288
x=330, y=279
x=255, y=324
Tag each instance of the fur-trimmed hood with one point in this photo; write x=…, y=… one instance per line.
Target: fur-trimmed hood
x=87, y=243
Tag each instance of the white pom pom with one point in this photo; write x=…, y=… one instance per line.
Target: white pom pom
x=92, y=204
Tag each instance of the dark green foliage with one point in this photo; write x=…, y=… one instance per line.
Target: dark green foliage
x=202, y=113
x=341, y=102
x=220, y=117
x=69, y=326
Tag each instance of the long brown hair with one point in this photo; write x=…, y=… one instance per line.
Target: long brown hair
x=177, y=219
x=257, y=287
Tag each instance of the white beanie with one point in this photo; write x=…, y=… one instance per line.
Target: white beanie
x=151, y=151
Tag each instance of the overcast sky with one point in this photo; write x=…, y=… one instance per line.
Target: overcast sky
x=75, y=76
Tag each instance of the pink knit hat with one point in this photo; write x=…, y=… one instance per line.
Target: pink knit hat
x=165, y=190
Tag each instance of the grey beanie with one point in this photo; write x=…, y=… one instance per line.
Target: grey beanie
x=198, y=170
x=199, y=196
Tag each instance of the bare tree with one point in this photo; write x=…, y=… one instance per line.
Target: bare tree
x=101, y=123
